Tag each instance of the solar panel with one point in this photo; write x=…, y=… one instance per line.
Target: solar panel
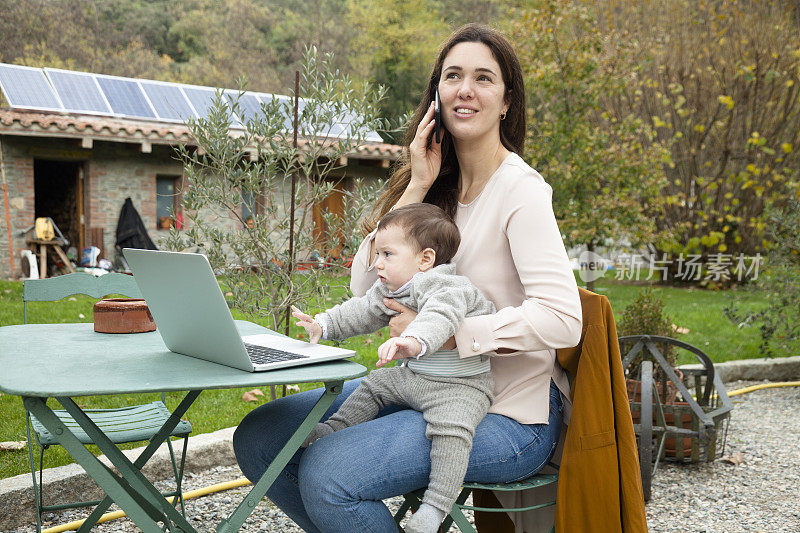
x=28, y=88
x=78, y=91
x=349, y=126
x=201, y=98
x=125, y=97
x=168, y=100
x=249, y=105
x=81, y=92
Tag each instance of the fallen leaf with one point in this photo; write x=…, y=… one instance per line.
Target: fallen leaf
x=735, y=458
x=291, y=389
x=229, y=294
x=368, y=341
x=11, y=445
x=7, y=291
x=252, y=395
x=680, y=329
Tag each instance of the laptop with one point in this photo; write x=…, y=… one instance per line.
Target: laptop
x=193, y=318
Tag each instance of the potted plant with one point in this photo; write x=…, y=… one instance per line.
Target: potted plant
x=645, y=316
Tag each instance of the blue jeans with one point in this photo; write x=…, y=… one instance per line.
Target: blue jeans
x=337, y=484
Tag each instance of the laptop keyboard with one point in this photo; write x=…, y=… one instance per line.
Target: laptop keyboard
x=260, y=355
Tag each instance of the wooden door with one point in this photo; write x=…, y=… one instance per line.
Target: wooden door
x=334, y=204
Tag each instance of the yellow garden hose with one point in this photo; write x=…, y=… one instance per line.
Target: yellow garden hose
x=764, y=386
x=71, y=526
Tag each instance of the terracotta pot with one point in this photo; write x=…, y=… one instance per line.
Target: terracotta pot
x=685, y=423
x=122, y=315
x=634, y=387
x=635, y=395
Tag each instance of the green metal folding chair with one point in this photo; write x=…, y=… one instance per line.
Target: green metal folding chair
x=457, y=516
x=125, y=424
x=414, y=499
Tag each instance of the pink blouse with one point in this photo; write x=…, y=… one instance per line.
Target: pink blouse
x=512, y=250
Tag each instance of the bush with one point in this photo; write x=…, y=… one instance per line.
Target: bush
x=645, y=316
x=779, y=322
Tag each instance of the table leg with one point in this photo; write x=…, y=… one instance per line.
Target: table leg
x=146, y=454
x=107, y=480
x=140, y=487
x=236, y=520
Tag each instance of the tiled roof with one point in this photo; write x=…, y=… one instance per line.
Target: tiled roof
x=42, y=124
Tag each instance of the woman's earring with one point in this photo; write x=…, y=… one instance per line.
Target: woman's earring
x=503, y=115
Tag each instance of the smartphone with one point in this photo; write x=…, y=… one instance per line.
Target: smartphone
x=437, y=117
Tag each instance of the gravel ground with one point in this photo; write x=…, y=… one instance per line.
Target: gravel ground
x=759, y=494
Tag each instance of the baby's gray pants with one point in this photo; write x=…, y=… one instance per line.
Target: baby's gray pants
x=452, y=407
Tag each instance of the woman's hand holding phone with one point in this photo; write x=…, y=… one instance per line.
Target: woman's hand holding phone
x=426, y=157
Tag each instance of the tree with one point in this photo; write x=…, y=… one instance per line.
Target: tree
x=459, y=12
x=237, y=199
x=395, y=44
x=605, y=179
x=719, y=83
x=87, y=36
x=223, y=41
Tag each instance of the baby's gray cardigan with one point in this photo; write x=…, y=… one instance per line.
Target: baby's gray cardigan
x=441, y=299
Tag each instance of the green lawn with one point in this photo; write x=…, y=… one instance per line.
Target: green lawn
x=698, y=310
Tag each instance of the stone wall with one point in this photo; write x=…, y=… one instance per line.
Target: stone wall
x=112, y=172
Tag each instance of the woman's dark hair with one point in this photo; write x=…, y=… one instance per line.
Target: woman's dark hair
x=426, y=226
x=444, y=191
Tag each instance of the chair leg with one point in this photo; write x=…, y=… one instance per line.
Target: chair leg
x=36, y=489
x=401, y=513
x=462, y=497
x=41, y=485
x=457, y=514
x=180, y=474
x=175, y=472
x=410, y=502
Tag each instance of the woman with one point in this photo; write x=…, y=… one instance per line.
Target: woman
x=511, y=249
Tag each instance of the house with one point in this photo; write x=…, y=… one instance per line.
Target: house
x=78, y=169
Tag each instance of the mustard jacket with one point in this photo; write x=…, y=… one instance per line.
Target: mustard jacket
x=599, y=485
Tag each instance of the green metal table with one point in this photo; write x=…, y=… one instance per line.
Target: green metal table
x=61, y=361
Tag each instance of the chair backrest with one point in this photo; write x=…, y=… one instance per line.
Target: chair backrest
x=56, y=288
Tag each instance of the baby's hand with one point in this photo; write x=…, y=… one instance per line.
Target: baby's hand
x=311, y=326
x=398, y=348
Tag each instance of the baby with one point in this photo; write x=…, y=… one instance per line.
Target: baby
x=414, y=245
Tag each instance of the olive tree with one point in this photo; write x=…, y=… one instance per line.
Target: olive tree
x=250, y=190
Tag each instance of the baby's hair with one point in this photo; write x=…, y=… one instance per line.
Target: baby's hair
x=426, y=226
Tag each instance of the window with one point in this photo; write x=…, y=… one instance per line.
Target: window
x=167, y=202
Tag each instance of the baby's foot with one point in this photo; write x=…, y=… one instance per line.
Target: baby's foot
x=426, y=520
x=318, y=432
